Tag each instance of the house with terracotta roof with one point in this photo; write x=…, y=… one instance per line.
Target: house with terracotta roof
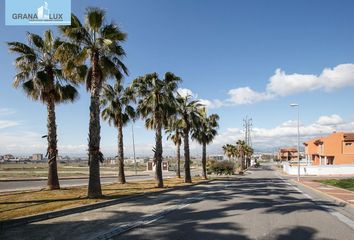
x=287, y=154
x=334, y=149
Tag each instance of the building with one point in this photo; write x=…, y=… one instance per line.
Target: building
x=334, y=149
x=37, y=157
x=216, y=157
x=287, y=154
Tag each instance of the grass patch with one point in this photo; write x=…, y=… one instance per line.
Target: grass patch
x=347, y=183
x=20, y=204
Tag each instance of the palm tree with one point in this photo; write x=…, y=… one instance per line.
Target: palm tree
x=100, y=44
x=156, y=104
x=240, y=153
x=248, y=153
x=117, y=111
x=229, y=150
x=174, y=132
x=40, y=75
x=189, y=111
x=204, y=134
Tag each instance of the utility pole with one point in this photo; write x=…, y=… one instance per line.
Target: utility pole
x=247, y=124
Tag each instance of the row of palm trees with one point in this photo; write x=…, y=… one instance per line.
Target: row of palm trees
x=241, y=151
x=49, y=70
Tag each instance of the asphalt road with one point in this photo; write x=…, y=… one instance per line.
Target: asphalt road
x=37, y=184
x=259, y=205
x=6, y=186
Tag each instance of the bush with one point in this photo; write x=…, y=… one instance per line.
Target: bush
x=220, y=167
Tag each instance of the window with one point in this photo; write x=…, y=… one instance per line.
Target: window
x=348, y=144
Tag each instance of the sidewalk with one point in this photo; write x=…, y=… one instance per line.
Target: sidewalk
x=339, y=194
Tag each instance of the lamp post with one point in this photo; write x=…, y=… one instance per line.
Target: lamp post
x=298, y=139
x=134, y=149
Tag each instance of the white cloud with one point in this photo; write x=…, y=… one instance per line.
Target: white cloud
x=282, y=84
x=246, y=95
x=333, y=119
x=186, y=92
x=216, y=103
x=6, y=111
x=8, y=123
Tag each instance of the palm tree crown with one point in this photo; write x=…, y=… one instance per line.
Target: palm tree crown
x=116, y=105
x=38, y=69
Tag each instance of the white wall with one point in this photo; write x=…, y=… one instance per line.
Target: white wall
x=345, y=169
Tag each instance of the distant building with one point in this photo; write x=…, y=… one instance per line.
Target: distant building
x=216, y=157
x=37, y=157
x=334, y=149
x=287, y=154
x=8, y=157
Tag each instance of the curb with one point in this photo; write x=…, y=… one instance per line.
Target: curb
x=68, y=211
x=336, y=200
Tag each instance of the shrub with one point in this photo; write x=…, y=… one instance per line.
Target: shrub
x=220, y=167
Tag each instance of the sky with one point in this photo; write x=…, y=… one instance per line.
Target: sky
x=240, y=58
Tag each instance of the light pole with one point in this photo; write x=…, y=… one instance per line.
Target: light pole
x=298, y=139
x=134, y=149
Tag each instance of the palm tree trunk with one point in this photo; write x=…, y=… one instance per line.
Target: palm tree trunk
x=52, y=151
x=158, y=154
x=178, y=173
x=95, y=156
x=204, y=161
x=187, y=169
x=121, y=175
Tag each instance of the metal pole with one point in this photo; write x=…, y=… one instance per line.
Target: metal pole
x=298, y=143
x=134, y=149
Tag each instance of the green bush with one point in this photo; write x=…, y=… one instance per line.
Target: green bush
x=220, y=167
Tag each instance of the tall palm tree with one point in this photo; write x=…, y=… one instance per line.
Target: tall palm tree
x=174, y=132
x=189, y=111
x=100, y=44
x=40, y=75
x=156, y=104
x=204, y=134
x=117, y=111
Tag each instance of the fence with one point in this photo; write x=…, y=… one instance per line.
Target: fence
x=345, y=169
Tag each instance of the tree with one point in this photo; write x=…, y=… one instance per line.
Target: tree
x=189, y=111
x=117, y=111
x=174, y=132
x=204, y=133
x=156, y=105
x=241, y=147
x=40, y=75
x=229, y=150
x=248, y=154
x=100, y=44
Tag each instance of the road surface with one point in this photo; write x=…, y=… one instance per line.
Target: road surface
x=259, y=205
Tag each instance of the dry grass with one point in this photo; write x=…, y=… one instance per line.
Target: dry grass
x=20, y=204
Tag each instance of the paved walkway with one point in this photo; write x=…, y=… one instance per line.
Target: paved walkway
x=334, y=192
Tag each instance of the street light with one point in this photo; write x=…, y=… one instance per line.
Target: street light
x=134, y=149
x=298, y=139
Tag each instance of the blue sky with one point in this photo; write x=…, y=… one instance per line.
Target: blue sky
x=227, y=53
